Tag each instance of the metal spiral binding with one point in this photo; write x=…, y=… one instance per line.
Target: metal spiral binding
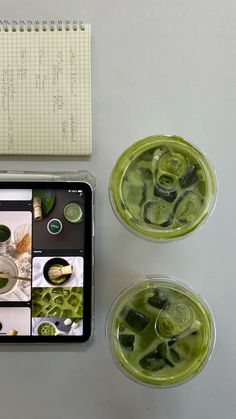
x=36, y=26
x=5, y=25
x=21, y=26
x=67, y=25
x=52, y=25
x=81, y=25
x=29, y=26
x=14, y=25
x=74, y=25
x=59, y=25
x=44, y=26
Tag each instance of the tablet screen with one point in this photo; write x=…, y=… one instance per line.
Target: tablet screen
x=45, y=261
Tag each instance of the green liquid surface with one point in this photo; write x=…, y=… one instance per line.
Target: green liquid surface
x=3, y=282
x=4, y=234
x=163, y=191
x=73, y=212
x=54, y=226
x=159, y=335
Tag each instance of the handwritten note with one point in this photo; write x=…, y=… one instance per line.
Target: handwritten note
x=45, y=92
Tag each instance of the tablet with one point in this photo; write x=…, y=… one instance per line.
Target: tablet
x=46, y=258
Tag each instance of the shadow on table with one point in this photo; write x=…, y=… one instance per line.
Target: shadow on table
x=44, y=158
x=47, y=347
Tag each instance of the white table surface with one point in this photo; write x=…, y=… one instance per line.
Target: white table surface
x=158, y=67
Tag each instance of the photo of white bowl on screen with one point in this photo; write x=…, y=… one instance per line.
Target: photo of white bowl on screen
x=8, y=267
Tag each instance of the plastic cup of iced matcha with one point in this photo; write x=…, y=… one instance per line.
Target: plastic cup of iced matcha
x=160, y=332
x=163, y=188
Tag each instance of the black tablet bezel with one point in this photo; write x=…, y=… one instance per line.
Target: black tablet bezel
x=88, y=261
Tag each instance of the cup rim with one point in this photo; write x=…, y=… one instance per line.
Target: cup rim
x=170, y=279
x=157, y=235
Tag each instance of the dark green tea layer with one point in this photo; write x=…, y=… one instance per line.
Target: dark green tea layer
x=3, y=282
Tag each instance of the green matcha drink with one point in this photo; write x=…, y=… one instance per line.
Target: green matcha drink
x=160, y=332
x=5, y=238
x=162, y=187
x=46, y=329
x=73, y=212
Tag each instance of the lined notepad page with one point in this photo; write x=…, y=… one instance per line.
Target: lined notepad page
x=45, y=90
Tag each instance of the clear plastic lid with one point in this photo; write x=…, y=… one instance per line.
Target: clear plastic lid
x=163, y=188
x=160, y=332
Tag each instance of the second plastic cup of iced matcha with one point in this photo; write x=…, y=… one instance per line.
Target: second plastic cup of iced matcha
x=163, y=187
x=160, y=332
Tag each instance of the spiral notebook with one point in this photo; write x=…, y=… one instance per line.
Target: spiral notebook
x=45, y=88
